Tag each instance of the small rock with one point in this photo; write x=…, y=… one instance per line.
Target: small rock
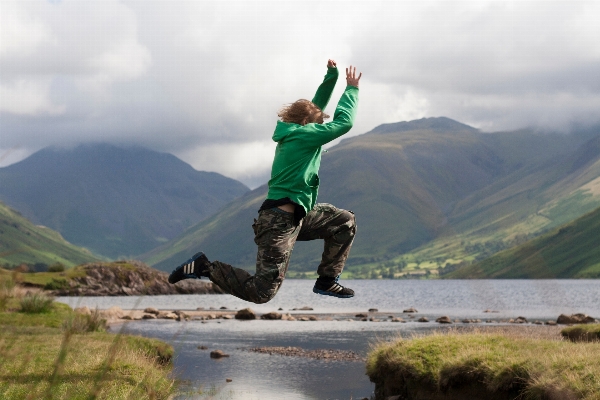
x=520, y=320
x=312, y=318
x=228, y=380
x=151, y=310
x=223, y=308
x=218, y=354
x=444, y=320
x=397, y=319
x=227, y=317
x=202, y=348
x=305, y=308
x=148, y=316
x=538, y=322
x=200, y=309
x=361, y=315
x=245, y=314
x=271, y=315
x=83, y=310
x=423, y=319
x=303, y=319
x=280, y=309
x=490, y=311
x=373, y=310
x=127, y=317
x=181, y=316
x=114, y=312
x=410, y=310
x=552, y=323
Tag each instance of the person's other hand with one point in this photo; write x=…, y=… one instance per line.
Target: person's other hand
x=351, y=78
x=331, y=64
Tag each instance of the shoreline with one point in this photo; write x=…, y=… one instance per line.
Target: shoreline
x=116, y=316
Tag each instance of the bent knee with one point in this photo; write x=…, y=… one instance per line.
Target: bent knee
x=349, y=220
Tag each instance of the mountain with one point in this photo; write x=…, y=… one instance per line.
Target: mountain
x=23, y=242
x=427, y=184
x=115, y=201
x=570, y=251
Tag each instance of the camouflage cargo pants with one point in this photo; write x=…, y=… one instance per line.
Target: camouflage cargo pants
x=275, y=235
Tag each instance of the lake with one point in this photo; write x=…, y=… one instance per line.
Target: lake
x=264, y=376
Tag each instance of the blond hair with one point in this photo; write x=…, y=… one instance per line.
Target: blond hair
x=302, y=111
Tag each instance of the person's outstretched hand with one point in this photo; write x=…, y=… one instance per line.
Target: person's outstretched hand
x=331, y=64
x=351, y=78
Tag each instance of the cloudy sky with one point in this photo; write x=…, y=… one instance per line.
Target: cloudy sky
x=204, y=80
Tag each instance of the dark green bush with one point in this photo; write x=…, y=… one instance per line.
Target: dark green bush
x=56, y=284
x=58, y=267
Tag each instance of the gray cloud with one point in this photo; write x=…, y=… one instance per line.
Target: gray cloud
x=204, y=80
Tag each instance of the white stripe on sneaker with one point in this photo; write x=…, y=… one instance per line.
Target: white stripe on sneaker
x=335, y=288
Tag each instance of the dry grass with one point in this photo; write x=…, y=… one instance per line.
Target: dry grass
x=530, y=362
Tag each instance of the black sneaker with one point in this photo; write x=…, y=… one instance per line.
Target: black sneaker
x=333, y=289
x=194, y=268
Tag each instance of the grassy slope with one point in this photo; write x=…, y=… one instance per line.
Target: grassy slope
x=489, y=362
x=525, y=204
x=570, y=251
x=23, y=242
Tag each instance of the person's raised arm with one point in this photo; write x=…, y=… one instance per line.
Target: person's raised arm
x=326, y=88
x=345, y=112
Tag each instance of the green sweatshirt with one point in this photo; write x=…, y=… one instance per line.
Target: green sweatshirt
x=298, y=155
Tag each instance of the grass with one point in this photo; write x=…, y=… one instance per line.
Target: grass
x=582, y=333
x=58, y=354
x=486, y=363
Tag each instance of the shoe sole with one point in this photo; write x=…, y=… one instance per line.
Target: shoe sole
x=327, y=293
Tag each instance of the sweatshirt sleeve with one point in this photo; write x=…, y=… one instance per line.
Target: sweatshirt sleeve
x=326, y=88
x=343, y=119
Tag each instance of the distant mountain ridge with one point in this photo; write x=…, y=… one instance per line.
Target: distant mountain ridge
x=413, y=184
x=115, y=201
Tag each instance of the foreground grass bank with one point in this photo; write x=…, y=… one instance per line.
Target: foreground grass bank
x=491, y=365
x=49, y=352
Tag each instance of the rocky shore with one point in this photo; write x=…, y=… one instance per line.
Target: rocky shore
x=123, y=278
x=115, y=315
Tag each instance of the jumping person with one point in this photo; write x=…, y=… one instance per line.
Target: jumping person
x=290, y=211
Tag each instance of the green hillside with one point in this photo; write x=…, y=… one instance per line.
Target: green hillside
x=23, y=242
x=426, y=193
x=571, y=251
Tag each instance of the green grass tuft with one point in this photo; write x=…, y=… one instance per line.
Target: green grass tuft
x=486, y=364
x=582, y=333
x=36, y=303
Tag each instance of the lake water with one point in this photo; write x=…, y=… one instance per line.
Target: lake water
x=263, y=376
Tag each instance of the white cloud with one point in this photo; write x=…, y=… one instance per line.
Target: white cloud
x=28, y=98
x=21, y=34
x=207, y=77
x=249, y=162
